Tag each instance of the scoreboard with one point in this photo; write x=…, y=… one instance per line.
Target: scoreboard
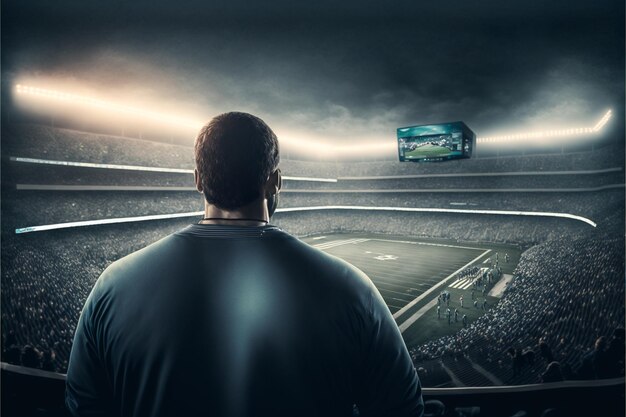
x=436, y=142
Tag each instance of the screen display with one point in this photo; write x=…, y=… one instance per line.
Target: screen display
x=437, y=142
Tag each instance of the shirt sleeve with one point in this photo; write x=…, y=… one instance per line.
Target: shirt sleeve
x=388, y=383
x=87, y=391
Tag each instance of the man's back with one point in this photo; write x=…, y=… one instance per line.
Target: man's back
x=238, y=321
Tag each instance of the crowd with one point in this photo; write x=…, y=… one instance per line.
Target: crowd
x=461, y=181
x=610, y=156
x=26, y=173
x=37, y=141
x=558, y=316
x=595, y=204
x=525, y=231
x=568, y=290
x=563, y=306
x=46, y=278
x=25, y=208
x=44, y=142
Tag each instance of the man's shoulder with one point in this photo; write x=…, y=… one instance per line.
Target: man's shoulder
x=328, y=261
x=180, y=250
x=326, y=268
x=141, y=262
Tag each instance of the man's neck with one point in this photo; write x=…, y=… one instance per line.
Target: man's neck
x=253, y=214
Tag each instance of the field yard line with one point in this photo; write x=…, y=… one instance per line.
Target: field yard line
x=443, y=282
x=426, y=243
x=466, y=286
x=459, y=283
x=332, y=244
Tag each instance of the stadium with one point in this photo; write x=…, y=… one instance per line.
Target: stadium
x=494, y=267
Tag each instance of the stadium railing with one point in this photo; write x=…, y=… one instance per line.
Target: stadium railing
x=27, y=391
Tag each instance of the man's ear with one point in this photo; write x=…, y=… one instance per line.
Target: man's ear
x=197, y=180
x=274, y=183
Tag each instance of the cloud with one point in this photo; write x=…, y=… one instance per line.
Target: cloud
x=340, y=76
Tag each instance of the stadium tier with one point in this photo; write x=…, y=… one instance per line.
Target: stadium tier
x=561, y=270
x=35, y=141
x=23, y=207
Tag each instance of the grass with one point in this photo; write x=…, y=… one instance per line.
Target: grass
x=403, y=269
x=428, y=151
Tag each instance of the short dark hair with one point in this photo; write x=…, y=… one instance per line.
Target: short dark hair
x=235, y=154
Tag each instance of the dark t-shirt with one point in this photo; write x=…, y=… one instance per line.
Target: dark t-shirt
x=238, y=321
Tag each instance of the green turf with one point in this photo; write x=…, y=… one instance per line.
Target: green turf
x=429, y=327
x=427, y=151
x=415, y=269
x=404, y=268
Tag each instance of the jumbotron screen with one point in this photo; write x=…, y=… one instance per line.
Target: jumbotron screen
x=437, y=142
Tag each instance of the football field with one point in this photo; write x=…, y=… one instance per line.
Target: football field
x=410, y=273
x=427, y=151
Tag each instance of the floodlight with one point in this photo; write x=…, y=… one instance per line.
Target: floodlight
x=550, y=133
x=108, y=106
x=322, y=149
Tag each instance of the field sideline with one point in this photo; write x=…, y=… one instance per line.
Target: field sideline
x=411, y=272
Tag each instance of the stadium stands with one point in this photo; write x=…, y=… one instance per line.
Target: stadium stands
x=43, y=142
x=46, y=277
x=31, y=173
x=565, y=294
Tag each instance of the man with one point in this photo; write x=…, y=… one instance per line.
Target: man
x=233, y=316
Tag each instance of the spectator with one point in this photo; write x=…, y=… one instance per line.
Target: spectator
x=31, y=357
x=552, y=373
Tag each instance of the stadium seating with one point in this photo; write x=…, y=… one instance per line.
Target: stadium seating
x=565, y=294
x=46, y=277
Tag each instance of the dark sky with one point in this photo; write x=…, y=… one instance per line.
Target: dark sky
x=357, y=69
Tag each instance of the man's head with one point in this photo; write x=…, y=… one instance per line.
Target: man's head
x=236, y=161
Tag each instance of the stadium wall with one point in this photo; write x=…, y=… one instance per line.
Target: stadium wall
x=32, y=392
